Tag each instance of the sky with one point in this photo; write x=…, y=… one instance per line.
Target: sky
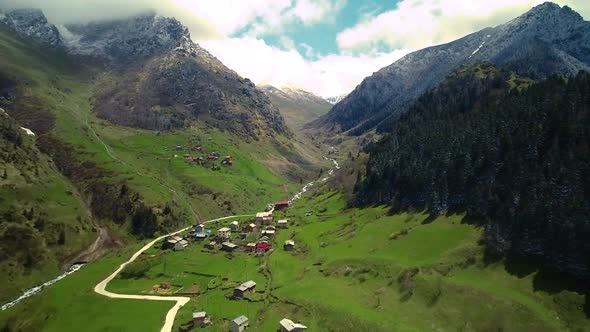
x=324, y=46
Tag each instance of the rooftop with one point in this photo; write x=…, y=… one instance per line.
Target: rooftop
x=249, y=284
x=199, y=314
x=241, y=320
x=225, y=229
x=289, y=325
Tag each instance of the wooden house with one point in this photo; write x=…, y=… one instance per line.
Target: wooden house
x=243, y=288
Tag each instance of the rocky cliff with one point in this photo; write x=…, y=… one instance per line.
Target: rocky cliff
x=32, y=24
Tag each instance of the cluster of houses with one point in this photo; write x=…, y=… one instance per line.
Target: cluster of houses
x=240, y=323
x=222, y=239
x=204, y=159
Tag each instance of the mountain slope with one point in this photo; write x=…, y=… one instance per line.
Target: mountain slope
x=548, y=39
x=515, y=161
x=297, y=106
x=42, y=219
x=134, y=182
x=162, y=80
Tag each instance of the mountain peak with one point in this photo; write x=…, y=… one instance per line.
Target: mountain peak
x=32, y=23
x=124, y=40
x=550, y=12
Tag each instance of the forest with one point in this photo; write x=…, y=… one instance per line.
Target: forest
x=510, y=153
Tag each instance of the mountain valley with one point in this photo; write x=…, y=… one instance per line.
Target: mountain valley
x=449, y=191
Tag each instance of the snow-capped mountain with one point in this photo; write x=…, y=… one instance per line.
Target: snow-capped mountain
x=159, y=78
x=546, y=40
x=297, y=105
x=335, y=99
x=32, y=24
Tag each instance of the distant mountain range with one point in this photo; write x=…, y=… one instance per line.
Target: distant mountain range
x=157, y=77
x=335, y=99
x=548, y=39
x=297, y=106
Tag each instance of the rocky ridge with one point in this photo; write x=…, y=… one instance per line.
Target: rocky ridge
x=548, y=39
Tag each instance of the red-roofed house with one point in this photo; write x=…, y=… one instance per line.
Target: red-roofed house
x=281, y=205
x=262, y=247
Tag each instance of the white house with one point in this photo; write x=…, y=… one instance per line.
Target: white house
x=224, y=232
x=282, y=223
x=239, y=324
x=234, y=225
x=288, y=325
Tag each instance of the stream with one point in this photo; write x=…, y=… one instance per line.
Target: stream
x=32, y=291
x=311, y=184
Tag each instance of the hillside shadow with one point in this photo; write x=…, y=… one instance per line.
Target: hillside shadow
x=548, y=280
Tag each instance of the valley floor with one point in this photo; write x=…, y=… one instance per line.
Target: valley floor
x=352, y=269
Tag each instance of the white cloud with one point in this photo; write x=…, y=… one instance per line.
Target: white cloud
x=206, y=18
x=327, y=76
x=422, y=23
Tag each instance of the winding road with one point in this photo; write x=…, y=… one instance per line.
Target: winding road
x=100, y=288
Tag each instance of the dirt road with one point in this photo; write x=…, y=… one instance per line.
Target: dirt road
x=180, y=301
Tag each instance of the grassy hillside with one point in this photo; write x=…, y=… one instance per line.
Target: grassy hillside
x=365, y=270
x=72, y=305
x=42, y=218
x=128, y=180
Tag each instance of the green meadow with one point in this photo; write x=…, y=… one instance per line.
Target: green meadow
x=72, y=305
x=364, y=270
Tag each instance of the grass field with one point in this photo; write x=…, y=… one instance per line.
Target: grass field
x=364, y=270
x=72, y=305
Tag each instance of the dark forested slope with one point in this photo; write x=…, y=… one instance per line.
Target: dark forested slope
x=511, y=154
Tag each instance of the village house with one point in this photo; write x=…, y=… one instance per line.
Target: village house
x=224, y=233
x=270, y=228
x=200, y=319
x=200, y=236
x=262, y=248
x=239, y=324
x=287, y=325
x=243, y=288
x=200, y=228
x=234, y=225
x=282, y=223
x=211, y=245
x=282, y=205
x=268, y=232
x=264, y=218
x=180, y=245
x=228, y=246
x=289, y=245
x=250, y=228
x=263, y=239
x=267, y=220
x=171, y=242
x=250, y=247
x=227, y=161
